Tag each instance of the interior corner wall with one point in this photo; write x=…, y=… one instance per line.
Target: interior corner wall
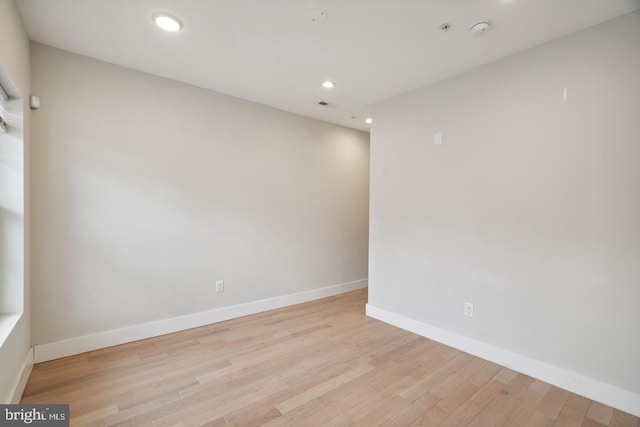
x=14, y=58
x=530, y=209
x=147, y=191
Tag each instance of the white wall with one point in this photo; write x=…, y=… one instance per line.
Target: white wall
x=146, y=191
x=14, y=203
x=530, y=209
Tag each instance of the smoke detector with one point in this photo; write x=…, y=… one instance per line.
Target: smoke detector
x=480, y=27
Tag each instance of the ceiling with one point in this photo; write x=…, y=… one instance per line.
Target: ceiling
x=272, y=52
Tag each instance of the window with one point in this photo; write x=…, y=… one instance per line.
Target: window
x=11, y=208
x=4, y=97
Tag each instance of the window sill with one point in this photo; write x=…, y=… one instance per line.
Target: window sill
x=7, y=323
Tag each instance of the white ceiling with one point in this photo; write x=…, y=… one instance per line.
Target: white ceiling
x=270, y=51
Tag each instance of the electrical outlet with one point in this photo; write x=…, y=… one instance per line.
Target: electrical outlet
x=437, y=138
x=468, y=309
x=220, y=286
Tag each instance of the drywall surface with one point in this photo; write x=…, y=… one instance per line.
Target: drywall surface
x=147, y=191
x=14, y=202
x=530, y=209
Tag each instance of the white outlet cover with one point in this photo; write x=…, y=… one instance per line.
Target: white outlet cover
x=468, y=309
x=437, y=138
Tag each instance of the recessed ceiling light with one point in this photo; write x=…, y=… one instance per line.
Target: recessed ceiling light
x=327, y=84
x=368, y=121
x=167, y=22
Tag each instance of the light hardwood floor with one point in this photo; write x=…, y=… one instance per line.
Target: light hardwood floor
x=322, y=363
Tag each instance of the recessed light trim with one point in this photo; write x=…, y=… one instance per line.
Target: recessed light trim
x=167, y=22
x=368, y=120
x=328, y=84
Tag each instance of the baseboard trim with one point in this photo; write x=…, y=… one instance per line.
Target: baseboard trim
x=576, y=383
x=72, y=346
x=21, y=383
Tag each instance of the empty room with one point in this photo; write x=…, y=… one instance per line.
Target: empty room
x=320, y=213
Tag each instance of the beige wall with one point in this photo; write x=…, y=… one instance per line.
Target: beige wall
x=530, y=209
x=14, y=229
x=146, y=191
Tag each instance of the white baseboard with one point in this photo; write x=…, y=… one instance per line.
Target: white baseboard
x=576, y=383
x=69, y=347
x=21, y=383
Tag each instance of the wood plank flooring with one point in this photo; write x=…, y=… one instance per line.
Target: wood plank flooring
x=322, y=363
